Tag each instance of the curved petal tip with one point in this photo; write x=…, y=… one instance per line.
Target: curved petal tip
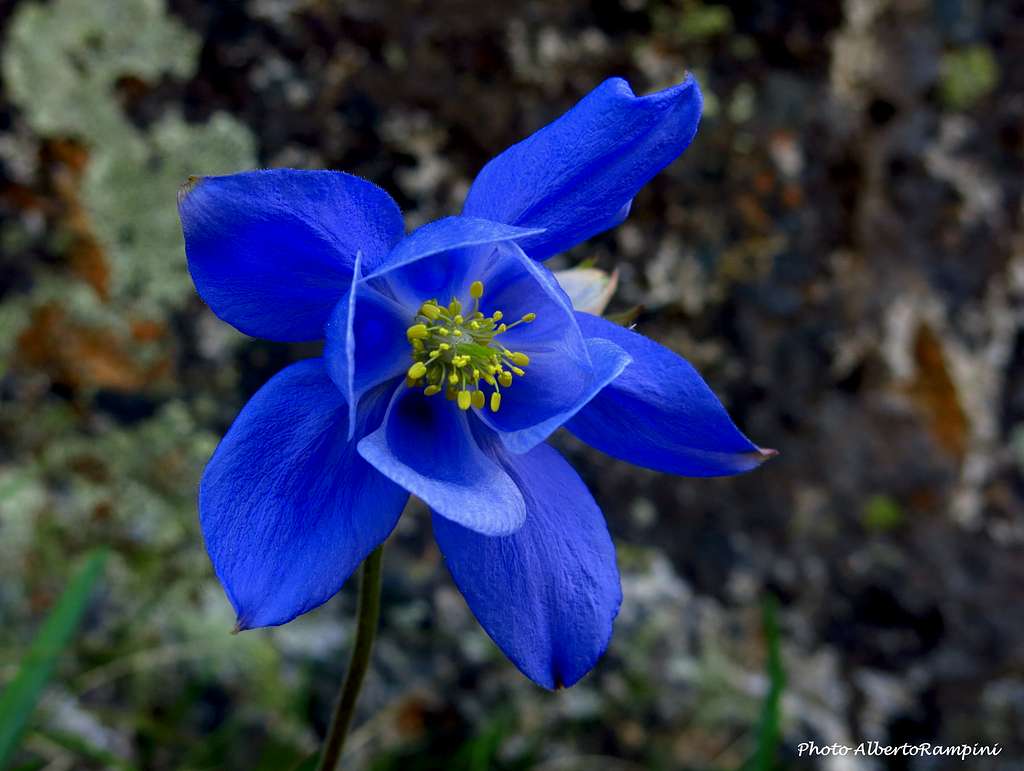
x=766, y=454
x=187, y=187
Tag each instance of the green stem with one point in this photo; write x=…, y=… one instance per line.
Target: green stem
x=367, y=616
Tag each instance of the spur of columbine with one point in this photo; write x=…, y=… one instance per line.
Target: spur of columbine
x=450, y=355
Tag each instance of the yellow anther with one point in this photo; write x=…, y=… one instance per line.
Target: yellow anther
x=456, y=354
x=411, y=382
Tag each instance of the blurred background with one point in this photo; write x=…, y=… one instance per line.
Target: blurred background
x=840, y=253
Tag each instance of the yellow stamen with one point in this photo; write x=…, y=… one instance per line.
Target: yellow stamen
x=458, y=354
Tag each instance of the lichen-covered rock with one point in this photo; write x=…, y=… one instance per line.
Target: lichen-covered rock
x=840, y=253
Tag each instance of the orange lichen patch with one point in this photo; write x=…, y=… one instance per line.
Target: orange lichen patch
x=23, y=198
x=131, y=90
x=86, y=257
x=148, y=331
x=87, y=261
x=753, y=214
x=764, y=182
x=934, y=393
x=924, y=499
x=81, y=356
x=66, y=152
x=792, y=196
x=411, y=717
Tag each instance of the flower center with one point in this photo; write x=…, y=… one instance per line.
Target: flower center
x=454, y=353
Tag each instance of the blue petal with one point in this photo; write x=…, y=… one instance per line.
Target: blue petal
x=426, y=445
x=577, y=176
x=564, y=371
x=516, y=285
x=444, y=235
x=366, y=343
x=272, y=252
x=659, y=413
x=537, y=405
x=548, y=593
x=287, y=507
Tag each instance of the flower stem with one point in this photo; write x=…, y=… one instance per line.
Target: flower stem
x=367, y=616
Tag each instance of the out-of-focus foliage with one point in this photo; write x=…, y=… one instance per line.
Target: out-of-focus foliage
x=19, y=697
x=968, y=76
x=840, y=253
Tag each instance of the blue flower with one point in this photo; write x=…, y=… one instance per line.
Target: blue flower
x=450, y=355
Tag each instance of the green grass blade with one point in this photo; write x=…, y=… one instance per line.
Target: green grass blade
x=85, y=750
x=769, y=734
x=19, y=698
